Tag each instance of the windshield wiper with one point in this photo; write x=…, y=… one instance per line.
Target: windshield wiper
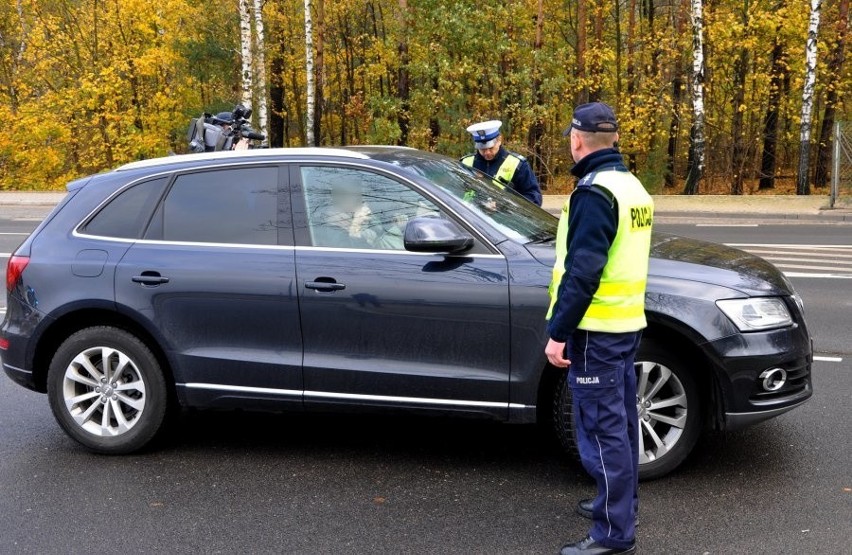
x=543, y=238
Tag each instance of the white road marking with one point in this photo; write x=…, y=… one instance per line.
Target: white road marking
x=805, y=261
x=5, y=254
x=727, y=225
x=817, y=276
x=819, y=254
x=12, y=233
x=812, y=260
x=788, y=245
x=827, y=359
x=808, y=267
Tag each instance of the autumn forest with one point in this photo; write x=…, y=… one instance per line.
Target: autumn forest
x=713, y=96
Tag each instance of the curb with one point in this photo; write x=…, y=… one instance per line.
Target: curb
x=51, y=199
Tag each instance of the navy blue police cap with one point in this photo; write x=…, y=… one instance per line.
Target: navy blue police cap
x=593, y=117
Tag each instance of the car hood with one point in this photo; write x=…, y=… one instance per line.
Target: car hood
x=676, y=257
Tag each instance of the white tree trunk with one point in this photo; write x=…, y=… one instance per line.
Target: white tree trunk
x=310, y=92
x=260, y=64
x=22, y=46
x=246, y=53
x=803, y=186
x=696, y=169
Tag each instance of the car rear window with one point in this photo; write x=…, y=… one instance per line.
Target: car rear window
x=223, y=206
x=126, y=215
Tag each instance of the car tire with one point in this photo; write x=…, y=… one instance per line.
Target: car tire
x=114, y=411
x=667, y=434
x=563, y=416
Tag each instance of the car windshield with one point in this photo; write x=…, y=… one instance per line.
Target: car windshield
x=513, y=215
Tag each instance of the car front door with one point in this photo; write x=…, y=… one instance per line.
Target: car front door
x=387, y=327
x=215, y=278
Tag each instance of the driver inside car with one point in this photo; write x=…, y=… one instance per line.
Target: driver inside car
x=347, y=221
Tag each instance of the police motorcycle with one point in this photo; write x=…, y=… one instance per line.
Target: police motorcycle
x=224, y=131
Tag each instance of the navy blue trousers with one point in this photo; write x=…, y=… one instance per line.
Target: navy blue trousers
x=603, y=385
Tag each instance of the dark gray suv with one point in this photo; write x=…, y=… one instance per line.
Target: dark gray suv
x=379, y=278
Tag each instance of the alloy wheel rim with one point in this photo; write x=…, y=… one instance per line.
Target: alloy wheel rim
x=662, y=405
x=104, y=391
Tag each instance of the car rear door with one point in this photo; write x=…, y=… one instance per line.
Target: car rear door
x=383, y=326
x=214, y=278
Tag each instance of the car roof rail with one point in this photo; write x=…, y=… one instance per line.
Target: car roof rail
x=253, y=154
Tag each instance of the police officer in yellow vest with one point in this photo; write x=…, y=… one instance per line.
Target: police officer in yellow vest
x=597, y=309
x=507, y=168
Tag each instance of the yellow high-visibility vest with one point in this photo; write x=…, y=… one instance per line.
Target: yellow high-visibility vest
x=505, y=172
x=618, y=306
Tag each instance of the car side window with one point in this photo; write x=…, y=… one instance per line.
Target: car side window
x=126, y=215
x=234, y=206
x=355, y=208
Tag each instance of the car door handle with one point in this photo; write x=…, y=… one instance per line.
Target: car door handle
x=150, y=278
x=324, y=284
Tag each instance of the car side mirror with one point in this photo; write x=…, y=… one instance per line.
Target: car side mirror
x=434, y=234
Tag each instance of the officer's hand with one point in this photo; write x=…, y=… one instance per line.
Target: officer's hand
x=555, y=352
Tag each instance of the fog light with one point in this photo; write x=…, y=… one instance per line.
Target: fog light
x=773, y=379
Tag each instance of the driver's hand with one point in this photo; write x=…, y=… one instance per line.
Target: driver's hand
x=400, y=220
x=358, y=219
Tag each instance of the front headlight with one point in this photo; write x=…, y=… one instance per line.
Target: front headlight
x=756, y=313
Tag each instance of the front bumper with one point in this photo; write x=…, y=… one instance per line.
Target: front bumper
x=737, y=420
x=742, y=361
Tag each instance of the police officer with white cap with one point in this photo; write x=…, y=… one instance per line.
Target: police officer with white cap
x=597, y=309
x=507, y=168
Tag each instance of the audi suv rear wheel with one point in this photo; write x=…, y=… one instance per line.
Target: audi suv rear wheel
x=107, y=390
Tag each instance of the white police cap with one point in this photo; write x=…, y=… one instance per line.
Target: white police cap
x=485, y=134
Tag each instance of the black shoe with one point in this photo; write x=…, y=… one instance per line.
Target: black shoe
x=584, y=509
x=588, y=546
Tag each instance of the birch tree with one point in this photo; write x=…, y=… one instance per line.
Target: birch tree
x=319, y=67
x=247, y=80
x=803, y=186
x=696, y=165
x=260, y=64
x=310, y=91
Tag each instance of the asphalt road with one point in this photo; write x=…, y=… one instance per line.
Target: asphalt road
x=255, y=483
